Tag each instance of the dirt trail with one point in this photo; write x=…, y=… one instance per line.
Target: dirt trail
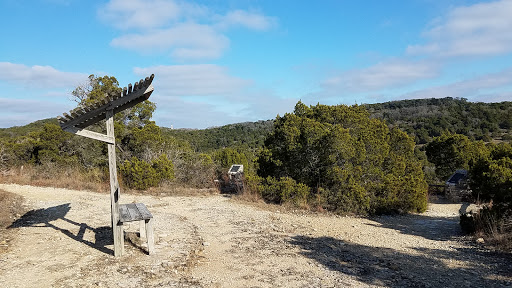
x=211, y=241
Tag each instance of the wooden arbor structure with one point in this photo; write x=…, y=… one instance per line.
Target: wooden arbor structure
x=82, y=117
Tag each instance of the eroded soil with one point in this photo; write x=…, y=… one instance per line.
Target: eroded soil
x=63, y=239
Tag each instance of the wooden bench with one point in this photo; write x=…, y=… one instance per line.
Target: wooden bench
x=139, y=212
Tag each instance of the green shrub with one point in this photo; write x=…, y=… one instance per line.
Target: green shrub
x=357, y=164
x=164, y=168
x=284, y=190
x=139, y=174
x=253, y=183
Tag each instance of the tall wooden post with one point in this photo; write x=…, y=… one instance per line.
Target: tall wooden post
x=117, y=230
x=82, y=117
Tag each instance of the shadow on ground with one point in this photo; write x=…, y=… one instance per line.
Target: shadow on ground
x=428, y=227
x=441, y=228
x=388, y=267
x=44, y=217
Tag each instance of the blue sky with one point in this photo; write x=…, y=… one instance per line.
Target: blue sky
x=220, y=62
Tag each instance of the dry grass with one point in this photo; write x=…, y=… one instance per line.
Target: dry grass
x=11, y=208
x=492, y=225
x=500, y=241
x=50, y=176
x=92, y=179
x=248, y=196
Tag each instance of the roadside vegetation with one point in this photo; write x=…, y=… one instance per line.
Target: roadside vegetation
x=359, y=159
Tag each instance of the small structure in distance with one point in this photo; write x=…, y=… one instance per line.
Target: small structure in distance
x=235, y=172
x=233, y=183
x=456, y=187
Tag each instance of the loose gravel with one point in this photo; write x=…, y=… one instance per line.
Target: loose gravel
x=212, y=241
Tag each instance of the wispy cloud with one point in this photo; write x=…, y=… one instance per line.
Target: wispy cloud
x=388, y=74
x=185, y=41
x=182, y=113
x=264, y=105
x=251, y=20
x=179, y=113
x=24, y=111
x=194, y=80
x=206, y=95
x=38, y=76
x=477, y=30
x=485, y=88
x=183, y=30
x=127, y=14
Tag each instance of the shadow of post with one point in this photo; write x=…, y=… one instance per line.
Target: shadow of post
x=428, y=227
x=43, y=217
x=389, y=267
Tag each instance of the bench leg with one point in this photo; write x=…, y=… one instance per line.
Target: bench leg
x=119, y=240
x=149, y=236
x=142, y=225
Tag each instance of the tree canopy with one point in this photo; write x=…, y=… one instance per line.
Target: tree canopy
x=450, y=152
x=491, y=176
x=355, y=163
x=428, y=118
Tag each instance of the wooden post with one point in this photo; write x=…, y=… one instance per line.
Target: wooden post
x=82, y=117
x=117, y=228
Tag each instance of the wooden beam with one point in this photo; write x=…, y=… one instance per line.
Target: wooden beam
x=67, y=117
x=91, y=134
x=117, y=228
x=117, y=105
x=82, y=113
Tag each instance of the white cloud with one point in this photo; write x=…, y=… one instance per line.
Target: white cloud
x=184, y=30
x=24, y=111
x=494, y=97
x=205, y=95
x=38, y=76
x=389, y=74
x=246, y=19
x=477, y=30
x=186, y=114
x=469, y=31
x=186, y=41
x=126, y=14
x=264, y=105
x=181, y=113
x=481, y=88
x=27, y=105
x=193, y=80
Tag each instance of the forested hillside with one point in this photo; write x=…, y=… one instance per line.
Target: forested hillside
x=349, y=159
x=421, y=118
x=427, y=118
x=17, y=131
x=248, y=135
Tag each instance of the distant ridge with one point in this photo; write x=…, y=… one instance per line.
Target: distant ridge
x=422, y=118
x=427, y=118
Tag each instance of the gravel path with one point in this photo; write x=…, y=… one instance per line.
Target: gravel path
x=212, y=241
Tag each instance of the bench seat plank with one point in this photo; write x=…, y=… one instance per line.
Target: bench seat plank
x=144, y=212
x=133, y=212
